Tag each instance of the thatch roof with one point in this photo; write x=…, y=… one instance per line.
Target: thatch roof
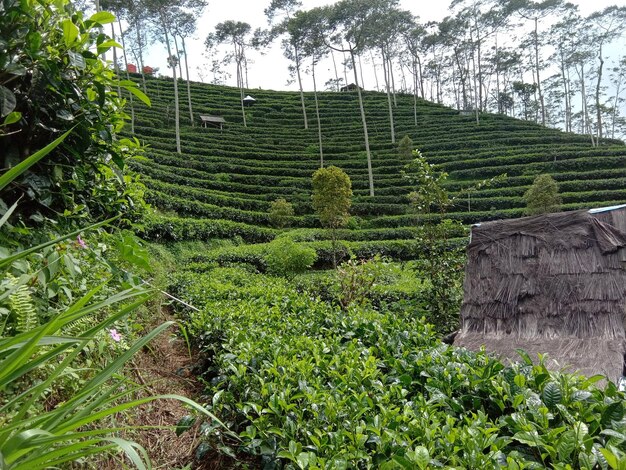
x=552, y=284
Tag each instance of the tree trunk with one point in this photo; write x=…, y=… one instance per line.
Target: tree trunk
x=176, y=111
x=421, y=80
x=598, y=107
x=180, y=67
x=375, y=74
x=476, y=95
x=240, y=84
x=393, y=82
x=462, y=77
x=188, y=83
x=361, y=72
x=130, y=95
x=297, y=57
x=317, y=114
x=585, y=110
x=345, y=67
x=386, y=74
x=565, y=94
x=367, y=140
x=569, y=100
x=543, y=107
x=618, y=91
x=332, y=55
x=140, y=46
x=415, y=91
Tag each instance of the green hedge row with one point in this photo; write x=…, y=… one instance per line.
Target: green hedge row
x=159, y=228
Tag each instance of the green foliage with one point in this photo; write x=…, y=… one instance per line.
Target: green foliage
x=308, y=384
x=405, y=148
x=543, y=196
x=280, y=213
x=52, y=75
x=287, y=258
x=332, y=196
x=356, y=279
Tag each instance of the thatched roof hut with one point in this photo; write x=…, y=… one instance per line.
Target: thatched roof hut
x=554, y=284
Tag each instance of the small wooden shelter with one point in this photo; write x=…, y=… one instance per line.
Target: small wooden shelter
x=212, y=121
x=351, y=87
x=554, y=284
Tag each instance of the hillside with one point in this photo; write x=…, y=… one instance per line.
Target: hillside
x=223, y=183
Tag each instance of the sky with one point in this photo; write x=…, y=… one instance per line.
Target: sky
x=270, y=71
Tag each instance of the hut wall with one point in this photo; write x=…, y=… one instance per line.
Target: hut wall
x=559, y=275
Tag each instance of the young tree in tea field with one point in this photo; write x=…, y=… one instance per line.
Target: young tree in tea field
x=543, y=196
x=405, y=148
x=332, y=198
x=442, y=260
x=281, y=213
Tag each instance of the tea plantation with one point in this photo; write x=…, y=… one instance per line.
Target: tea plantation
x=224, y=182
x=337, y=369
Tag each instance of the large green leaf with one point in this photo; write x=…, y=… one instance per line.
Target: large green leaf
x=552, y=394
x=70, y=32
x=102, y=17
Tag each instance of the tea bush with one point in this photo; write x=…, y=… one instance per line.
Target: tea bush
x=307, y=385
x=287, y=258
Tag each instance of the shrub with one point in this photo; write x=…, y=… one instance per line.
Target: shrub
x=287, y=258
x=543, y=196
x=281, y=213
x=357, y=278
x=405, y=148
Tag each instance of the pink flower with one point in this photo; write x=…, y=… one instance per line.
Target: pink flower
x=81, y=242
x=115, y=335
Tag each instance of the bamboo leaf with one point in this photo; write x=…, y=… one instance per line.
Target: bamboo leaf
x=24, y=165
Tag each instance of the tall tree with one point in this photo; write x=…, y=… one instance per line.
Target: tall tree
x=235, y=33
x=564, y=37
x=606, y=26
x=535, y=11
x=349, y=23
x=279, y=15
x=161, y=13
x=184, y=25
x=387, y=26
x=413, y=43
x=136, y=36
x=311, y=27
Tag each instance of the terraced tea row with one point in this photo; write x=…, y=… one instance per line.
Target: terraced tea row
x=223, y=183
